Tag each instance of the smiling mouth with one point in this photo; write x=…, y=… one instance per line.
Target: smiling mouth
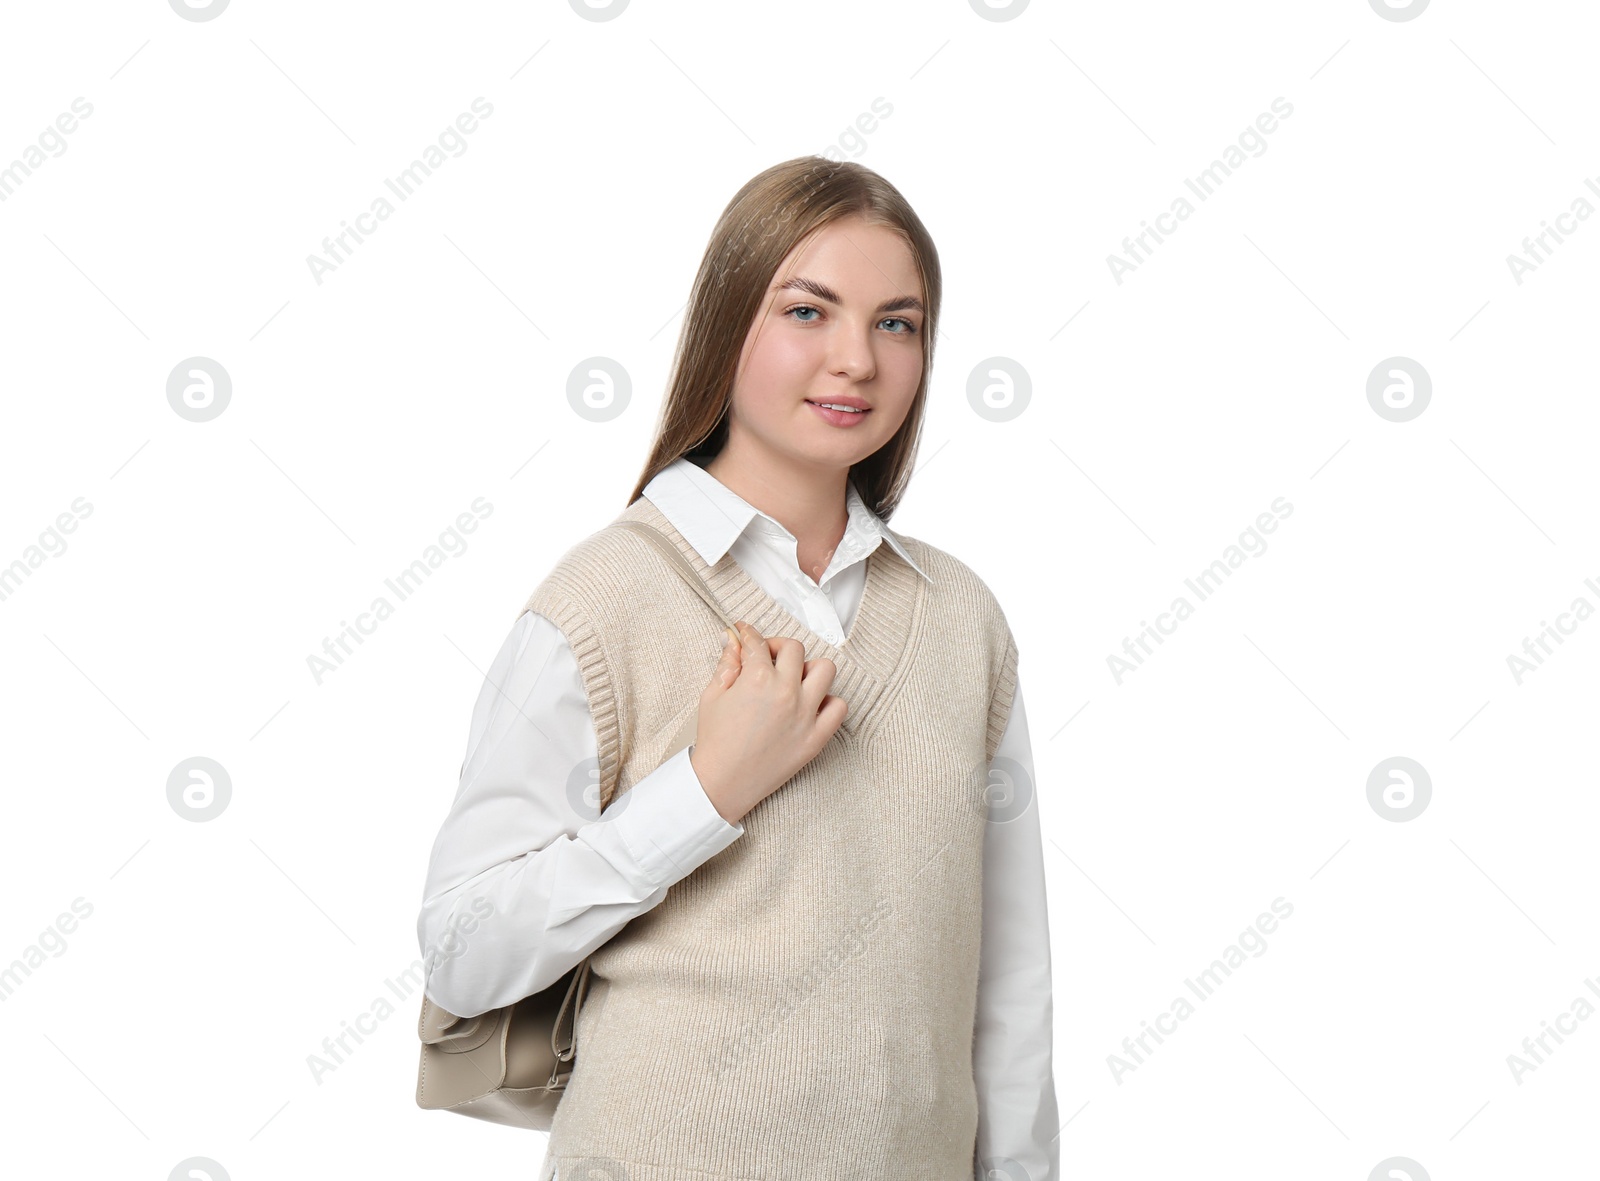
x=837, y=406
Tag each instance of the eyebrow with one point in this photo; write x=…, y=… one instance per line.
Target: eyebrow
x=899, y=303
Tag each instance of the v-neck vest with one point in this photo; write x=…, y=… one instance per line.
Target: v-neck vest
x=802, y=1005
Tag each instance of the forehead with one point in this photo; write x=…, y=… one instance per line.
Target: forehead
x=852, y=255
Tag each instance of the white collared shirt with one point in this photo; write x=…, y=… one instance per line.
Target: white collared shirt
x=559, y=882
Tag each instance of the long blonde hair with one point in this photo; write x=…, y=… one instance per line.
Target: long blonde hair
x=767, y=218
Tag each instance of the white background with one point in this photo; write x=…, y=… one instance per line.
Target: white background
x=1167, y=411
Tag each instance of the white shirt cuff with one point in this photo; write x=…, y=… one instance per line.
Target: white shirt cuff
x=669, y=824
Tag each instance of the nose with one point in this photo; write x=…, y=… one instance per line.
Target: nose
x=851, y=355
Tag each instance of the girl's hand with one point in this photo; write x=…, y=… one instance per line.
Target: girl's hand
x=765, y=714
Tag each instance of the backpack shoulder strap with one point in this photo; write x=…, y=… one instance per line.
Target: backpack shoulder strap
x=678, y=562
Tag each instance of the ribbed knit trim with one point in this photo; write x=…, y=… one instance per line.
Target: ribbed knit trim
x=562, y=603
x=873, y=658
x=1004, y=697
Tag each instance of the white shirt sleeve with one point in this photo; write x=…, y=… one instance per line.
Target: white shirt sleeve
x=1011, y=1055
x=525, y=879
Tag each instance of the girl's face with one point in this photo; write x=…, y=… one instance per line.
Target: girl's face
x=841, y=322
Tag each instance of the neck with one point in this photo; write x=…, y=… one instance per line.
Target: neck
x=806, y=500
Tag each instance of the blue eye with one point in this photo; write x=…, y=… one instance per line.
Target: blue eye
x=910, y=328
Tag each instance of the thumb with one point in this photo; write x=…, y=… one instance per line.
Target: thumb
x=728, y=666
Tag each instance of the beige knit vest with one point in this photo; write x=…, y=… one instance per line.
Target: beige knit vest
x=802, y=1005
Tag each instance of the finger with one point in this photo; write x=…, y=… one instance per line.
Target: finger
x=832, y=714
x=821, y=671
x=752, y=643
x=818, y=679
x=788, y=656
x=729, y=663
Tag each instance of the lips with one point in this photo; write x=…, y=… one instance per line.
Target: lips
x=839, y=418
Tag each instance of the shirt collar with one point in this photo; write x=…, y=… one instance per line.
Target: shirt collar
x=711, y=516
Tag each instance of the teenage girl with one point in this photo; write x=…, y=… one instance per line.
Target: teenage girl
x=817, y=935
